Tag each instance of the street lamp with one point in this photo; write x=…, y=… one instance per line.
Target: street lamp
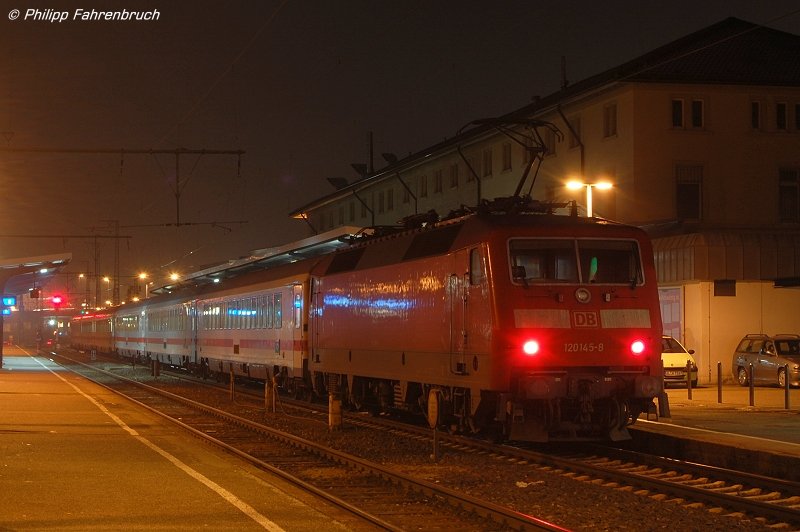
x=143, y=276
x=575, y=185
x=107, y=280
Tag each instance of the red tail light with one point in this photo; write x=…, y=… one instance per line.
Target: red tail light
x=637, y=347
x=530, y=347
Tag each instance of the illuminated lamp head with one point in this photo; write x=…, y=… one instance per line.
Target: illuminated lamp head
x=637, y=347
x=530, y=347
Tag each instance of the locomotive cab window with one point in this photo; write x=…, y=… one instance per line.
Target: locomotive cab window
x=573, y=261
x=543, y=260
x=610, y=262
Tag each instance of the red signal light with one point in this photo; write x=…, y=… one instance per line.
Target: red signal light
x=530, y=347
x=57, y=300
x=637, y=347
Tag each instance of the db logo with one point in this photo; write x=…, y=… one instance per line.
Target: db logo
x=584, y=319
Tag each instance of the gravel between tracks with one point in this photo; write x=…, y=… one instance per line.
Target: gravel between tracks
x=568, y=501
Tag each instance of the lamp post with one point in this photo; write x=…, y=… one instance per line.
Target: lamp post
x=575, y=185
x=143, y=277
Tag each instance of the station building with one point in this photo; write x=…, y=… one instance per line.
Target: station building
x=701, y=141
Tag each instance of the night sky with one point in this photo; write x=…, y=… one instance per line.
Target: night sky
x=296, y=84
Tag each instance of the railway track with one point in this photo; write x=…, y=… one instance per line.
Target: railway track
x=735, y=494
x=772, y=500
x=383, y=497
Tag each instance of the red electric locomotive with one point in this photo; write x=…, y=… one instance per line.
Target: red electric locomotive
x=540, y=326
x=544, y=326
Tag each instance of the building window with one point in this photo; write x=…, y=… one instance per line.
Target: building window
x=437, y=181
x=363, y=209
x=506, y=156
x=341, y=215
x=610, y=120
x=390, y=199
x=423, y=186
x=755, y=115
x=351, y=212
x=330, y=220
x=697, y=114
x=688, y=191
x=487, y=163
x=677, y=113
x=781, y=118
x=453, y=175
x=789, y=195
x=380, y=202
x=575, y=132
x=725, y=288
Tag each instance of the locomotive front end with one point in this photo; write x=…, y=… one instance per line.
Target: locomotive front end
x=579, y=334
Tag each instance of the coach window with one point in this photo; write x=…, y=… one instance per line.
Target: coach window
x=298, y=305
x=251, y=313
x=476, y=271
x=236, y=315
x=278, y=319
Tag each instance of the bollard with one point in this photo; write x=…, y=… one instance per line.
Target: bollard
x=152, y=367
x=786, y=385
x=334, y=404
x=719, y=382
x=275, y=387
x=232, y=385
x=689, y=379
x=663, y=405
x=752, y=385
x=334, y=412
x=269, y=401
x=158, y=367
x=434, y=418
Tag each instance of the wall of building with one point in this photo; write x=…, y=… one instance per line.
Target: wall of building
x=713, y=325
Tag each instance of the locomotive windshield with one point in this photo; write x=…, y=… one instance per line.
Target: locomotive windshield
x=566, y=260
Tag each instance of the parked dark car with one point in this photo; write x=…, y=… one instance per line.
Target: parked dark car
x=769, y=356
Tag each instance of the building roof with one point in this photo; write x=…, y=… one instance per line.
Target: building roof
x=732, y=51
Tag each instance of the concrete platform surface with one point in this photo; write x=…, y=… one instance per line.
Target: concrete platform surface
x=763, y=439
x=74, y=456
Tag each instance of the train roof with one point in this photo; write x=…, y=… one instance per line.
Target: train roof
x=417, y=236
x=267, y=258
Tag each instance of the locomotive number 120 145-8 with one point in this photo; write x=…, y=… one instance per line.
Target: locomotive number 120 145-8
x=583, y=347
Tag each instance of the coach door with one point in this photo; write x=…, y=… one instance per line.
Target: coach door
x=313, y=321
x=297, y=327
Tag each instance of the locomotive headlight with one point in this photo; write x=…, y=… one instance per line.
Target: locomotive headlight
x=582, y=295
x=530, y=347
x=637, y=347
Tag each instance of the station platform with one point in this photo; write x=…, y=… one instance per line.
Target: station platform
x=75, y=456
x=763, y=438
